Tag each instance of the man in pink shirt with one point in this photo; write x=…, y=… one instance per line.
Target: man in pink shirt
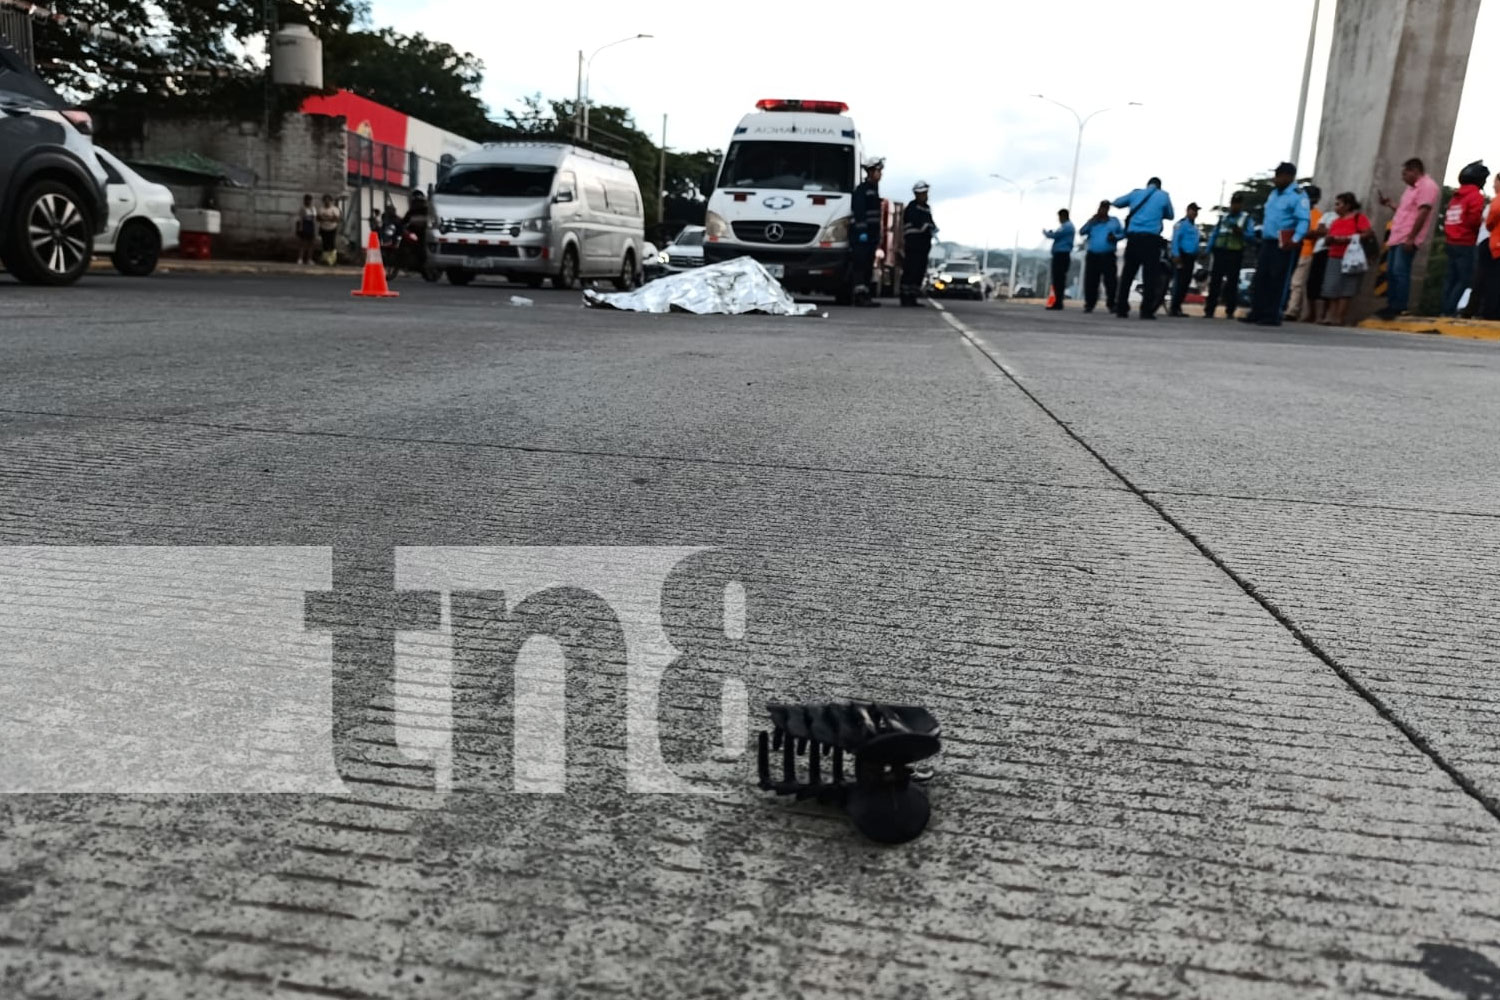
x=1409, y=230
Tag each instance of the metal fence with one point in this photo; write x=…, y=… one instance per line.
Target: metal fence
x=15, y=31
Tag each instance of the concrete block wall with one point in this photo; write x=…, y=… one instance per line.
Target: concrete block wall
x=303, y=154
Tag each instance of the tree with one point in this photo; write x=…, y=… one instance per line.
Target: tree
x=690, y=176
x=183, y=52
x=423, y=78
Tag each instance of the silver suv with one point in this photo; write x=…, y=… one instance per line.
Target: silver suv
x=52, y=188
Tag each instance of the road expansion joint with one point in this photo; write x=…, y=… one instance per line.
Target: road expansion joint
x=236, y=428
x=1381, y=707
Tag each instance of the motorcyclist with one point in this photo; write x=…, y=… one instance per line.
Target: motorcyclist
x=415, y=222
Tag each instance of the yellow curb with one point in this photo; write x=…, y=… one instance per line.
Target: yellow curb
x=1468, y=329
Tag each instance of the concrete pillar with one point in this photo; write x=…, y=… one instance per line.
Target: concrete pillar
x=1395, y=76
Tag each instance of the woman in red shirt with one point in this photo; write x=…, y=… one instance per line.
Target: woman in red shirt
x=1338, y=287
x=1489, y=256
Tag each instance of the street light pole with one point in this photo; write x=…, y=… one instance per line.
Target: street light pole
x=578, y=101
x=1020, y=204
x=1312, y=38
x=1082, y=120
x=588, y=67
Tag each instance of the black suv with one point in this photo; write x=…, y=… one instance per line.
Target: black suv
x=52, y=200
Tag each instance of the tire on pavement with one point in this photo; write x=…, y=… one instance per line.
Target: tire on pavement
x=61, y=255
x=567, y=278
x=138, y=250
x=627, y=278
x=458, y=276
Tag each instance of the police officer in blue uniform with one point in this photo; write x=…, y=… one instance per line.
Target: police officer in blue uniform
x=864, y=233
x=917, y=230
x=1150, y=207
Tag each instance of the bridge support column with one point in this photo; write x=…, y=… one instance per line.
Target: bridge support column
x=1395, y=77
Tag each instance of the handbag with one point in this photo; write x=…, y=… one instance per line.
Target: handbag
x=1355, y=261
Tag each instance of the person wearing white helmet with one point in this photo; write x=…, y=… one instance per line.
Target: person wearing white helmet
x=864, y=233
x=917, y=230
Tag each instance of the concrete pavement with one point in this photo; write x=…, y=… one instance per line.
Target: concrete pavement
x=1206, y=613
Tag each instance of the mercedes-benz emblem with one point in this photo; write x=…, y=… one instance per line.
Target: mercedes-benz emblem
x=774, y=233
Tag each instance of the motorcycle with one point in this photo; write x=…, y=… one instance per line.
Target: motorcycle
x=402, y=249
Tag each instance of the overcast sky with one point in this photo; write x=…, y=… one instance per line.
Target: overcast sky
x=943, y=93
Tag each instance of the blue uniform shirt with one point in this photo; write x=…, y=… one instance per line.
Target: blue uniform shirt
x=1061, y=237
x=1099, y=234
x=1286, y=209
x=1149, y=206
x=1185, y=238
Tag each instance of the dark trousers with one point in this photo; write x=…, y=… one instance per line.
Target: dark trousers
x=1480, y=281
x=1224, y=281
x=862, y=266
x=1271, y=270
x=1060, y=265
x=1491, y=307
x=1460, y=270
x=1180, y=288
x=914, y=268
x=1143, y=254
x=1097, y=266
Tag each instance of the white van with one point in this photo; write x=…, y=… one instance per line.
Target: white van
x=537, y=210
x=784, y=194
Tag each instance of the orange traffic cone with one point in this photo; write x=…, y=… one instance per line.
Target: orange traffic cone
x=374, y=286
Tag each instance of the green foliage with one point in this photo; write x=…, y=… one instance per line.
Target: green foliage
x=1256, y=190
x=423, y=78
x=689, y=176
x=186, y=53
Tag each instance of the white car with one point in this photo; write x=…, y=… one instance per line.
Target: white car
x=685, y=251
x=141, y=219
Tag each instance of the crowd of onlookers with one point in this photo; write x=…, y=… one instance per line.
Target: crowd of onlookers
x=1309, y=263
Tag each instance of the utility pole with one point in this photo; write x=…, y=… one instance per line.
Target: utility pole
x=661, y=180
x=1312, y=37
x=578, y=101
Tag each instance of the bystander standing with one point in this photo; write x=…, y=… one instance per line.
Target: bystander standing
x=1299, y=306
x=305, y=226
x=1062, y=256
x=1150, y=207
x=1490, y=254
x=1227, y=244
x=1185, y=242
x=1409, y=230
x=1461, y=226
x=1103, y=233
x=328, y=230
x=1339, y=285
x=1282, y=230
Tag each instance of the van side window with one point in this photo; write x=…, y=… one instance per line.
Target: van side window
x=566, y=181
x=622, y=201
x=594, y=189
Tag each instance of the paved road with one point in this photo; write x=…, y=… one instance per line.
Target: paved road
x=1208, y=615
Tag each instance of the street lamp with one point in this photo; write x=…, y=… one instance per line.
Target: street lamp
x=1082, y=121
x=1020, y=203
x=584, y=68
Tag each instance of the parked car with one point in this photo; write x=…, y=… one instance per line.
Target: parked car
x=52, y=201
x=684, y=253
x=961, y=278
x=142, y=223
x=537, y=210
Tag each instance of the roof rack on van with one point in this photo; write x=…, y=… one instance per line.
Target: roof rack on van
x=545, y=132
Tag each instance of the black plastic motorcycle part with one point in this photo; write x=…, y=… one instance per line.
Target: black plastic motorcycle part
x=884, y=798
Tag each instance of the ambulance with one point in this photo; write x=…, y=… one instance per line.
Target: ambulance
x=784, y=195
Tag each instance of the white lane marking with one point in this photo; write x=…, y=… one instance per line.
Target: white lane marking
x=975, y=340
